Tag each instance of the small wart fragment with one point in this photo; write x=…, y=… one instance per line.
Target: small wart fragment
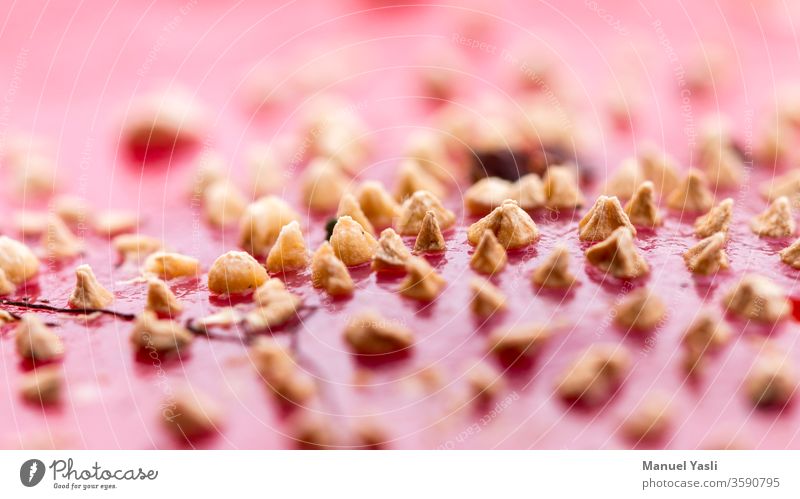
x=518, y=342
x=485, y=382
x=135, y=247
x=162, y=121
x=490, y=256
x=378, y=205
x=223, y=203
x=330, y=273
x=88, y=292
x=717, y=153
x=640, y=310
x=411, y=178
x=351, y=243
x=625, y=180
x=151, y=333
x=787, y=185
x=414, y=209
x=350, y=207
x=168, y=266
x=6, y=286
x=370, y=334
x=513, y=227
x=17, y=260
x=458, y=126
x=658, y=167
x=618, y=256
x=311, y=431
x=757, y=298
x=391, y=253
x=707, y=67
x=281, y=372
x=265, y=167
x=718, y=219
x=427, y=379
x=624, y=106
x=7, y=318
x=692, y=194
x=642, y=210
x=30, y=223
x=439, y=76
x=262, y=222
x=72, y=210
x=35, y=341
x=487, y=299
x=605, y=216
x=338, y=135
x=528, y=192
x=485, y=195
x=561, y=189
x=276, y=306
x=650, y=420
x=112, y=223
x=271, y=288
x=160, y=299
x=791, y=255
x=371, y=435
x=225, y=317
x=422, y=282
x=708, y=256
x=724, y=166
x=59, y=242
x=210, y=167
x=322, y=185
x=189, y=414
x=289, y=251
x=430, y=238
x=772, y=147
x=429, y=150
x=34, y=174
x=595, y=375
x=554, y=271
x=235, y=272
x=775, y=221
x=707, y=334
x=771, y=381
x=42, y=386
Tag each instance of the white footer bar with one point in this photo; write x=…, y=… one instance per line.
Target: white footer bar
x=400, y=474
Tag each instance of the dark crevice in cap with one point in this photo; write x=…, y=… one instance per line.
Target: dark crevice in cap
x=511, y=164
